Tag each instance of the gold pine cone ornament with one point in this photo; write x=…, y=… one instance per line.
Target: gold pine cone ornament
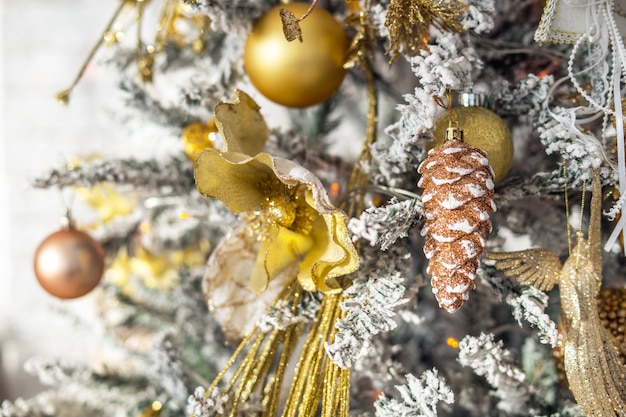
x=458, y=191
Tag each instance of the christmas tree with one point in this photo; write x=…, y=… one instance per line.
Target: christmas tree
x=366, y=208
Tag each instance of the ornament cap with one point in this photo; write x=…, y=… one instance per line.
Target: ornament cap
x=470, y=98
x=454, y=133
x=66, y=221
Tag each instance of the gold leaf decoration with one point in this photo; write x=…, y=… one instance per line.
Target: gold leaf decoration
x=409, y=21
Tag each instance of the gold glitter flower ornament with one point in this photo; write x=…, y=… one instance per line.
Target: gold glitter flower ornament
x=285, y=206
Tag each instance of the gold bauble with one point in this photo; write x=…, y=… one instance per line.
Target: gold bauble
x=482, y=129
x=296, y=74
x=612, y=311
x=69, y=263
x=198, y=136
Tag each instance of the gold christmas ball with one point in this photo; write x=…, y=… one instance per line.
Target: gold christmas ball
x=612, y=311
x=482, y=129
x=296, y=74
x=198, y=136
x=69, y=263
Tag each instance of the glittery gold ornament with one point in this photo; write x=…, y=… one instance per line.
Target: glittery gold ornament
x=457, y=197
x=198, y=136
x=109, y=202
x=592, y=362
x=69, y=263
x=482, y=129
x=296, y=74
x=612, y=310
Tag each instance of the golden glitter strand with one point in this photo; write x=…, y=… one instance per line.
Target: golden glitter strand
x=360, y=53
x=63, y=96
x=579, y=233
x=568, y=226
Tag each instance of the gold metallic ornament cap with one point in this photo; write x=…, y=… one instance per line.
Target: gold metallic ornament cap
x=454, y=133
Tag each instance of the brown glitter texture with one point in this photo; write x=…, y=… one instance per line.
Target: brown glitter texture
x=458, y=191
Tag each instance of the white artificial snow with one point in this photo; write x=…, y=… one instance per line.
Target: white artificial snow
x=462, y=226
x=450, y=151
x=451, y=202
x=439, y=181
x=459, y=170
x=475, y=190
x=441, y=239
x=458, y=289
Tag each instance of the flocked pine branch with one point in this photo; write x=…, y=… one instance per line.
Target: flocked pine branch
x=168, y=370
x=582, y=150
x=527, y=303
x=488, y=358
x=79, y=388
x=382, y=226
x=229, y=15
x=448, y=63
x=140, y=98
x=530, y=305
x=527, y=97
x=211, y=406
x=368, y=310
x=281, y=317
x=479, y=16
x=419, y=397
x=173, y=175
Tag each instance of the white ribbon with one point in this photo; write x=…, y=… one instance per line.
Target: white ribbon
x=619, y=60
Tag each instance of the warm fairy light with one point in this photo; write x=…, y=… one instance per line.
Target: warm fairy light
x=144, y=227
x=452, y=342
x=549, y=69
x=157, y=406
x=183, y=215
x=334, y=190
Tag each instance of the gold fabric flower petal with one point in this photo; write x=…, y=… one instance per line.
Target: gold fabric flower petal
x=277, y=253
x=316, y=238
x=242, y=125
x=239, y=181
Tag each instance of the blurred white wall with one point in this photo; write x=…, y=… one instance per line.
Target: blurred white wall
x=43, y=44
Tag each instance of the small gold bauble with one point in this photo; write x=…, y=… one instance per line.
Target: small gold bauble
x=69, y=263
x=612, y=311
x=482, y=129
x=296, y=74
x=198, y=136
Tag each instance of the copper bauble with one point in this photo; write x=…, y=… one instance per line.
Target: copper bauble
x=484, y=130
x=69, y=263
x=296, y=74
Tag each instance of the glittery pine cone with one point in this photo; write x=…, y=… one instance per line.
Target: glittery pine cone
x=458, y=191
